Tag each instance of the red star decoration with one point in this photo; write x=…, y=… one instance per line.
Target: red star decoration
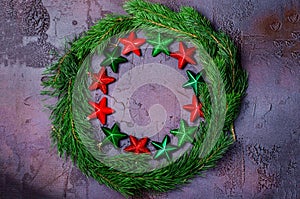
x=137, y=146
x=101, y=80
x=195, y=108
x=184, y=55
x=132, y=44
x=101, y=110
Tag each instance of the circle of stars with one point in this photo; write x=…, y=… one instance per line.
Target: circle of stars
x=131, y=44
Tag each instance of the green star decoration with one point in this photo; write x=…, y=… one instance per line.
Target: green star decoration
x=163, y=149
x=114, y=135
x=185, y=133
x=193, y=80
x=160, y=45
x=113, y=59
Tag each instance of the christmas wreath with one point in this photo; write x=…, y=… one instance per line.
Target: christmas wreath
x=218, y=88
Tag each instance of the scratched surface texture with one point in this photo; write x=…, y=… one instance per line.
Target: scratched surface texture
x=264, y=162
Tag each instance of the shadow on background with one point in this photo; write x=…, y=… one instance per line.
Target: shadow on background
x=10, y=188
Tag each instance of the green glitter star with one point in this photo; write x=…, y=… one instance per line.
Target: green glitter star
x=160, y=45
x=113, y=59
x=113, y=135
x=184, y=133
x=163, y=149
x=193, y=80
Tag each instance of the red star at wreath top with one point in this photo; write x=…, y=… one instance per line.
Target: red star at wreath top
x=101, y=80
x=137, y=146
x=195, y=108
x=101, y=110
x=184, y=55
x=132, y=44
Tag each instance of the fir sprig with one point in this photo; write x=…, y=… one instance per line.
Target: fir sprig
x=218, y=56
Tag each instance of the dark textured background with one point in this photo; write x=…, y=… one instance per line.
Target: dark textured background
x=264, y=163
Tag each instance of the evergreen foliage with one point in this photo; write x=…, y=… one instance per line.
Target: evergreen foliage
x=186, y=24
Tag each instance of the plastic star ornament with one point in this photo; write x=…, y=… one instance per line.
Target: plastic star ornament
x=138, y=146
x=101, y=110
x=113, y=59
x=184, y=55
x=160, y=45
x=132, y=44
x=163, y=148
x=114, y=135
x=193, y=80
x=185, y=133
x=101, y=80
x=195, y=108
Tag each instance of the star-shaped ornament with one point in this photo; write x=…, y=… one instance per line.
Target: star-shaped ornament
x=163, y=148
x=184, y=55
x=101, y=110
x=193, y=80
x=113, y=59
x=101, y=80
x=195, y=108
x=160, y=45
x=132, y=44
x=185, y=133
x=114, y=135
x=138, y=146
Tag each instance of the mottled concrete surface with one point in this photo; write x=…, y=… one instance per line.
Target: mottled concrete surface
x=264, y=163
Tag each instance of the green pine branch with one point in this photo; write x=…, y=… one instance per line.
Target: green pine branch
x=224, y=74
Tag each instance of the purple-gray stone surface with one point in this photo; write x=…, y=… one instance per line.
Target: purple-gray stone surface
x=264, y=162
